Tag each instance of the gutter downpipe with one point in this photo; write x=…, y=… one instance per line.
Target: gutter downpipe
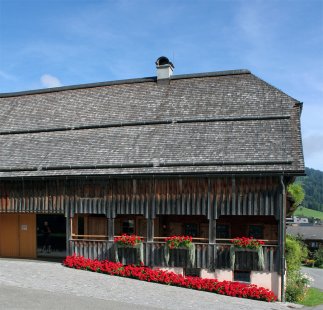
x=282, y=238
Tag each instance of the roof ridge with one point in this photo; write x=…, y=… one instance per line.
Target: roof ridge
x=124, y=81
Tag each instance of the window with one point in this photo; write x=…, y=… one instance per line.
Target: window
x=241, y=276
x=80, y=225
x=192, y=272
x=256, y=231
x=191, y=230
x=90, y=225
x=128, y=227
x=222, y=231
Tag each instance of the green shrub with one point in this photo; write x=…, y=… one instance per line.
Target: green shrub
x=297, y=286
x=318, y=256
x=296, y=252
x=297, y=283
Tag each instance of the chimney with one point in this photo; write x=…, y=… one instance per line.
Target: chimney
x=164, y=70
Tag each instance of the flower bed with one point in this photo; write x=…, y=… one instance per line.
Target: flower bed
x=142, y=273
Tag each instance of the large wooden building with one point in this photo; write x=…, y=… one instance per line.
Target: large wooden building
x=208, y=155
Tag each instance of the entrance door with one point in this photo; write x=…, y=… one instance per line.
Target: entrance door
x=18, y=235
x=51, y=235
x=27, y=235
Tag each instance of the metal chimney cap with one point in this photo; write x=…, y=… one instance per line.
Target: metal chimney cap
x=161, y=61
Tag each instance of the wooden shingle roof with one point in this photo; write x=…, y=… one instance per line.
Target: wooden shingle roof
x=221, y=122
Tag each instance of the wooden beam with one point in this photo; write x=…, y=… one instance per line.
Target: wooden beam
x=212, y=230
x=111, y=229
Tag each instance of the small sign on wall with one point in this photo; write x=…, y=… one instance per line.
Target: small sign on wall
x=24, y=227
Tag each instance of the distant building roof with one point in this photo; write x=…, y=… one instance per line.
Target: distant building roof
x=218, y=122
x=314, y=232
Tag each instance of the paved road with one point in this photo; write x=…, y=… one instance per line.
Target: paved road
x=26, y=284
x=316, y=274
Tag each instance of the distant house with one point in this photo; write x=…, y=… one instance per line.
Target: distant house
x=297, y=220
x=311, y=234
x=207, y=155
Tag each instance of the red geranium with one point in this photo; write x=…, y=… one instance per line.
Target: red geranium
x=127, y=240
x=142, y=273
x=178, y=241
x=245, y=242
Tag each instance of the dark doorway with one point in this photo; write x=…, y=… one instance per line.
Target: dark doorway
x=51, y=235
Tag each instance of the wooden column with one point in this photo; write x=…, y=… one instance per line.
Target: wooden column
x=282, y=236
x=110, y=229
x=68, y=227
x=233, y=197
x=150, y=229
x=111, y=215
x=212, y=230
x=150, y=216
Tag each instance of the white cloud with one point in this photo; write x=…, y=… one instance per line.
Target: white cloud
x=49, y=81
x=7, y=76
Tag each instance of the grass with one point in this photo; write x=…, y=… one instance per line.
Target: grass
x=314, y=297
x=305, y=212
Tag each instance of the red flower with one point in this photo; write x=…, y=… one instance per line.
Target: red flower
x=178, y=241
x=142, y=273
x=128, y=240
x=249, y=243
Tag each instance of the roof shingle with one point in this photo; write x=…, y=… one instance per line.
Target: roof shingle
x=198, y=124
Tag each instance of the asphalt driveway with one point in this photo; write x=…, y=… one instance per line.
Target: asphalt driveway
x=27, y=284
x=316, y=274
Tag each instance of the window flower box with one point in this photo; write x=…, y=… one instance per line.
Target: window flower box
x=129, y=241
x=180, y=242
x=245, y=244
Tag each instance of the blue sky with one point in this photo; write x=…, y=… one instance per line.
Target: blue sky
x=66, y=42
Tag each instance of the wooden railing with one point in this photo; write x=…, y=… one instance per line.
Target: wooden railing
x=154, y=255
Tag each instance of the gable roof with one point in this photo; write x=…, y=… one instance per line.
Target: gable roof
x=220, y=122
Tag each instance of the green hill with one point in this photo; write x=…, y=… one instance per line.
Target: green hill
x=313, y=187
x=305, y=212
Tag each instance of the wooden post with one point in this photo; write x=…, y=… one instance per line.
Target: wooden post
x=212, y=230
x=150, y=230
x=109, y=250
x=233, y=197
x=68, y=228
x=150, y=215
x=111, y=229
x=282, y=235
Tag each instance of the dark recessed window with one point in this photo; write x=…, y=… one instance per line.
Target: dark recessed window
x=128, y=227
x=191, y=230
x=193, y=272
x=80, y=225
x=241, y=276
x=256, y=231
x=222, y=231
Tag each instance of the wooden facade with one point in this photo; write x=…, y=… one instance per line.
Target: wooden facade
x=209, y=196
x=159, y=207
